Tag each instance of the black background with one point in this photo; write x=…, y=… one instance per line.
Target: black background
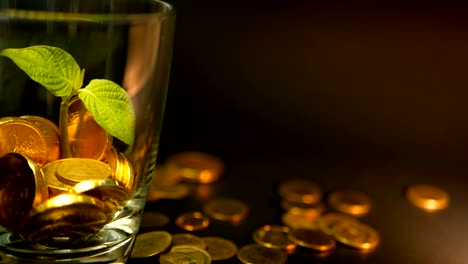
x=356, y=95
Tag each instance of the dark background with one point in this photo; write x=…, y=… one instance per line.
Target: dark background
x=364, y=96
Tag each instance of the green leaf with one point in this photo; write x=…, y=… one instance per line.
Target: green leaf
x=111, y=108
x=50, y=66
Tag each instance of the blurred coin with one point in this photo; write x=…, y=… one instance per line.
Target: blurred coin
x=124, y=172
x=257, y=254
x=351, y=202
x=226, y=209
x=153, y=220
x=22, y=186
x=175, y=192
x=310, y=211
x=75, y=170
x=314, y=239
x=188, y=239
x=185, y=254
x=65, y=218
x=327, y=221
x=220, y=248
x=23, y=137
x=87, y=139
x=195, y=166
x=274, y=236
x=427, y=197
x=193, y=221
x=151, y=243
x=300, y=191
x=54, y=185
x=298, y=221
x=107, y=190
x=161, y=177
x=51, y=135
x=356, y=234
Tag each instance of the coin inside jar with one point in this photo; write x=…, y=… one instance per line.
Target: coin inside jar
x=427, y=197
x=54, y=185
x=51, y=135
x=195, y=166
x=75, y=170
x=274, y=236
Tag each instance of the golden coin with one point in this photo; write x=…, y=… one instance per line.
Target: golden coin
x=188, y=239
x=175, y=192
x=274, y=236
x=87, y=139
x=327, y=221
x=65, y=218
x=107, y=190
x=298, y=221
x=124, y=172
x=161, y=177
x=350, y=202
x=356, y=234
x=51, y=135
x=185, y=254
x=75, y=170
x=226, y=209
x=55, y=186
x=22, y=186
x=220, y=248
x=195, y=166
x=427, y=197
x=23, y=137
x=193, y=221
x=314, y=239
x=151, y=243
x=310, y=211
x=153, y=220
x=257, y=254
x=300, y=191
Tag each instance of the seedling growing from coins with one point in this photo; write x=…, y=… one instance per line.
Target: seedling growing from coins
x=59, y=73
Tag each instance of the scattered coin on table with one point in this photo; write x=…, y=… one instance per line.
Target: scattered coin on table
x=188, y=239
x=195, y=166
x=193, y=221
x=274, y=236
x=150, y=244
x=226, y=209
x=427, y=197
x=258, y=254
x=220, y=248
x=350, y=202
x=185, y=254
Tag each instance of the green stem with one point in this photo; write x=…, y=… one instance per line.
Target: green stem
x=63, y=126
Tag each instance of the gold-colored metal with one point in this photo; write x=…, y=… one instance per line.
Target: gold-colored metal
x=274, y=236
x=22, y=186
x=23, y=137
x=185, y=254
x=195, y=166
x=220, y=248
x=152, y=220
x=124, y=172
x=87, y=139
x=193, y=221
x=65, y=218
x=175, y=192
x=351, y=202
x=226, y=209
x=51, y=135
x=427, y=197
x=54, y=185
x=188, y=239
x=75, y=170
x=255, y=253
x=300, y=191
x=298, y=221
x=356, y=234
x=107, y=190
x=327, y=221
x=150, y=244
x=310, y=211
x=162, y=177
x=313, y=239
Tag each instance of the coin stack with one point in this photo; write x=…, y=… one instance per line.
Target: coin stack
x=49, y=198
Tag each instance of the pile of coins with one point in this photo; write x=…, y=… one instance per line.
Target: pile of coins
x=49, y=198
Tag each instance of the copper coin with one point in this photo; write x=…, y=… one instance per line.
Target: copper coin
x=23, y=137
x=427, y=197
x=22, y=187
x=351, y=202
x=51, y=135
x=220, y=248
x=195, y=166
x=87, y=139
x=258, y=254
x=314, y=239
x=193, y=221
x=274, y=236
x=300, y=191
x=226, y=209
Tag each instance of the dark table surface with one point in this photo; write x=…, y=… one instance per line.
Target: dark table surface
x=367, y=97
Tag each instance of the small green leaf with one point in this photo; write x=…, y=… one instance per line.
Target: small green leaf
x=111, y=108
x=50, y=66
